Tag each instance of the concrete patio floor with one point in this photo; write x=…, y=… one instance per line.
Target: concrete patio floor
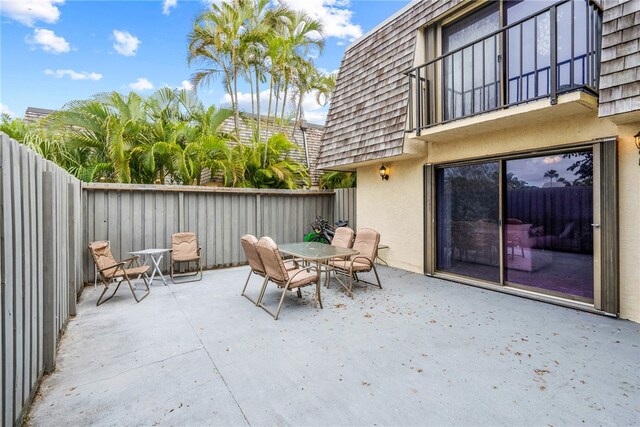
x=420, y=351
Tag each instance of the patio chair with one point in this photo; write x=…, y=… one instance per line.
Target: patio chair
x=184, y=248
x=283, y=278
x=343, y=237
x=248, y=243
x=109, y=269
x=366, y=243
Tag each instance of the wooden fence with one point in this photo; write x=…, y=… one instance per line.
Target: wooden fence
x=40, y=269
x=134, y=217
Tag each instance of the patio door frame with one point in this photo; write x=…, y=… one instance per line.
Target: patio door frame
x=605, y=226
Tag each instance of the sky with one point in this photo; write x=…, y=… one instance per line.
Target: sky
x=56, y=51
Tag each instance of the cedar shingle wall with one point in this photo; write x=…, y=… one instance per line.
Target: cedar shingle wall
x=620, y=73
x=366, y=120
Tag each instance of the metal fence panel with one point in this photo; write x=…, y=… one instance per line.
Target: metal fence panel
x=34, y=305
x=345, y=206
x=134, y=217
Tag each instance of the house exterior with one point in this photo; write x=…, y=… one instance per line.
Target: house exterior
x=508, y=132
x=305, y=135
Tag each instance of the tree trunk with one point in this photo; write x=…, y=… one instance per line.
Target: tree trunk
x=298, y=114
x=284, y=102
x=276, y=91
x=235, y=90
x=258, y=104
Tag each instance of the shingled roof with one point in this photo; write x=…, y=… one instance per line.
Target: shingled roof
x=366, y=119
x=620, y=73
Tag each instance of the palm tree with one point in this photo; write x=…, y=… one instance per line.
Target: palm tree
x=105, y=129
x=551, y=173
x=303, y=36
x=217, y=41
x=261, y=25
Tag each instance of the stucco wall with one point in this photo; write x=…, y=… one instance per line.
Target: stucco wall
x=629, y=221
x=396, y=207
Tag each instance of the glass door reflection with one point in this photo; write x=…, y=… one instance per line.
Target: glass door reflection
x=467, y=232
x=548, y=240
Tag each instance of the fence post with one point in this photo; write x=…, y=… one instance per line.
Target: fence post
x=258, y=216
x=181, y=211
x=73, y=250
x=49, y=271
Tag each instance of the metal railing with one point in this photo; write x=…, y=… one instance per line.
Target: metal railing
x=509, y=67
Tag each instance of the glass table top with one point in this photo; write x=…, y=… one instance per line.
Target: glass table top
x=315, y=251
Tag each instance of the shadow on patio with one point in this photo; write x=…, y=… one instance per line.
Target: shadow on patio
x=420, y=351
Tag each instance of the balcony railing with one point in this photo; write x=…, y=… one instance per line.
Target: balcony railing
x=553, y=51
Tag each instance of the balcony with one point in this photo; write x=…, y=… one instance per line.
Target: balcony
x=552, y=52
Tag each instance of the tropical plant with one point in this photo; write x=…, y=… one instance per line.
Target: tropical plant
x=334, y=179
x=280, y=171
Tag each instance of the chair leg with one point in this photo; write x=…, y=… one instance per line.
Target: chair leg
x=284, y=293
x=178, y=276
x=133, y=290
x=244, y=294
x=351, y=277
x=299, y=293
x=106, y=288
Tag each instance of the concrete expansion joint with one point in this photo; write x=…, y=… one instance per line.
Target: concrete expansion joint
x=155, y=362
x=213, y=363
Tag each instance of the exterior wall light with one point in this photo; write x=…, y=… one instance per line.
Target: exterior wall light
x=384, y=173
x=637, y=137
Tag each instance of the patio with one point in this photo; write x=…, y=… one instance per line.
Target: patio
x=420, y=351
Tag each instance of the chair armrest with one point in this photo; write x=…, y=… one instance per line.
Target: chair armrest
x=130, y=260
x=303, y=269
x=363, y=257
x=114, y=267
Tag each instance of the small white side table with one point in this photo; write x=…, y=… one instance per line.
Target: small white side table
x=156, y=256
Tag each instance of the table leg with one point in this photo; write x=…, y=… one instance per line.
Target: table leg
x=318, y=298
x=156, y=262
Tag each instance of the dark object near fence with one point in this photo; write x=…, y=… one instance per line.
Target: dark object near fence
x=323, y=232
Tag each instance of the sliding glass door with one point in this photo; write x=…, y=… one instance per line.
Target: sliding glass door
x=467, y=232
x=524, y=222
x=548, y=231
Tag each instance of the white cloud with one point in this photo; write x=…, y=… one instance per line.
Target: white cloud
x=48, y=41
x=186, y=84
x=4, y=109
x=74, y=75
x=316, y=117
x=141, y=84
x=244, y=100
x=28, y=12
x=125, y=43
x=167, y=5
x=334, y=15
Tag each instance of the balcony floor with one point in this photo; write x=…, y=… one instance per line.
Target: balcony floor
x=421, y=351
